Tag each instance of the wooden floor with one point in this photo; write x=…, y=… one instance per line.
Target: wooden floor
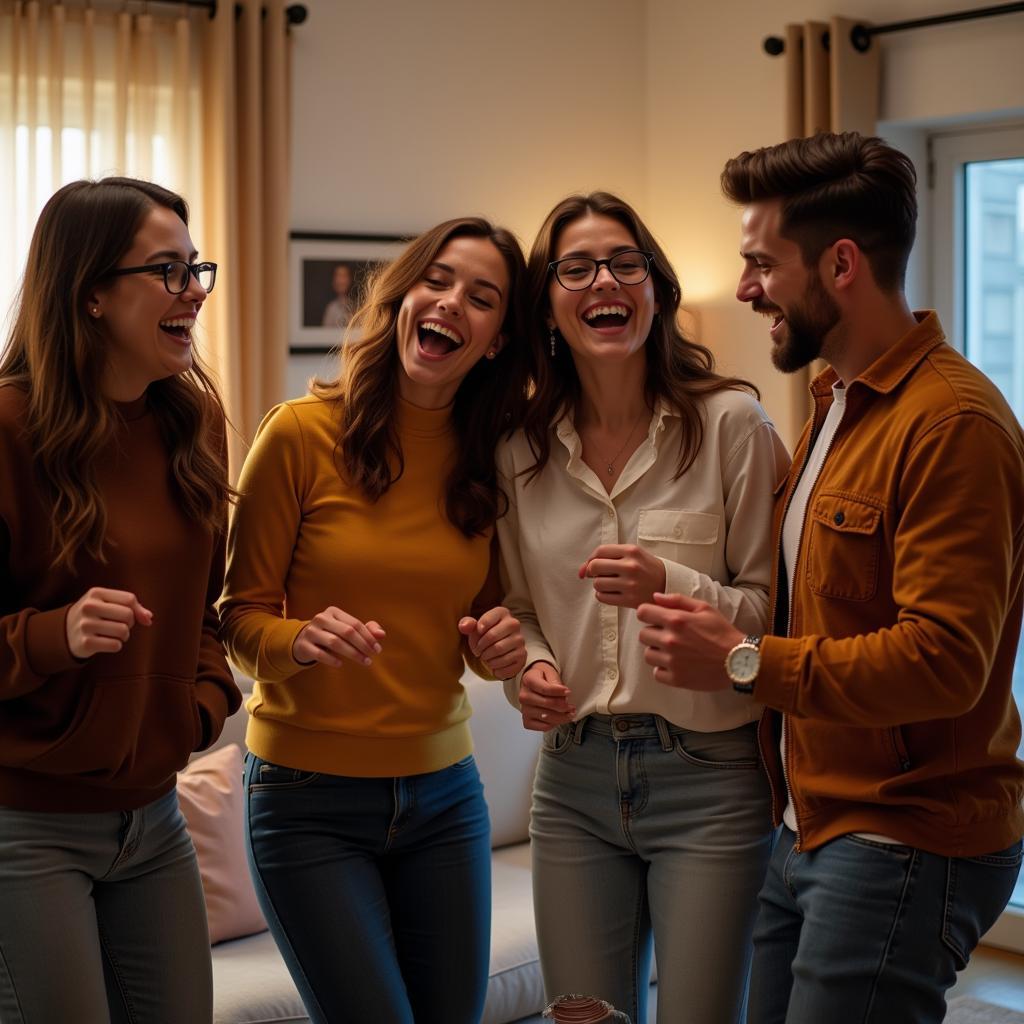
x=994, y=976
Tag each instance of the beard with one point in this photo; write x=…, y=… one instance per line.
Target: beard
x=806, y=327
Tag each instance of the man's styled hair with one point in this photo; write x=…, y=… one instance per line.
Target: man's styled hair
x=836, y=185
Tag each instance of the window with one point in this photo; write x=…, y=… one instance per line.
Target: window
x=977, y=215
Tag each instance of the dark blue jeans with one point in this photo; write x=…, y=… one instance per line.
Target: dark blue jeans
x=377, y=890
x=862, y=932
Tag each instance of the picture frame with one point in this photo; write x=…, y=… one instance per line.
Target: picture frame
x=326, y=273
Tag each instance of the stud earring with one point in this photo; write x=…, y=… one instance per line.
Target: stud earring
x=551, y=334
x=491, y=353
x=95, y=310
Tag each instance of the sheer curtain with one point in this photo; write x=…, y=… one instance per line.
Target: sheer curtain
x=829, y=87
x=187, y=101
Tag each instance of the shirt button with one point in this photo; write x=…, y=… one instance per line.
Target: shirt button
x=839, y=519
x=677, y=530
x=611, y=513
x=613, y=673
x=609, y=635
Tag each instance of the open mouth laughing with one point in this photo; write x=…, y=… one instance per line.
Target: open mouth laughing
x=607, y=316
x=774, y=315
x=180, y=328
x=437, y=340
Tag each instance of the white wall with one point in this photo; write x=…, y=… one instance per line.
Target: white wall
x=406, y=113
x=713, y=92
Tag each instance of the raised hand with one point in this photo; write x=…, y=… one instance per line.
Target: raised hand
x=101, y=621
x=496, y=639
x=624, y=574
x=332, y=635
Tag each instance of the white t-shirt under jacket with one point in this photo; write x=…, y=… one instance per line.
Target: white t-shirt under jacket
x=711, y=528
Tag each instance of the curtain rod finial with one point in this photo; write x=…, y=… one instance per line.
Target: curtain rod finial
x=297, y=13
x=773, y=46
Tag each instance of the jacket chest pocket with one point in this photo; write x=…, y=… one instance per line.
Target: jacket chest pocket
x=687, y=538
x=843, y=547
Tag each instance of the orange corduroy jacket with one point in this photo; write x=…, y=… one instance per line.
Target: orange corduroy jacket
x=893, y=657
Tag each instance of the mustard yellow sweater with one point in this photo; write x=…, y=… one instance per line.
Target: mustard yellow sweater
x=303, y=539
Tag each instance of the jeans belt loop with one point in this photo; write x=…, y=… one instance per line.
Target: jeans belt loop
x=663, y=734
x=577, y=730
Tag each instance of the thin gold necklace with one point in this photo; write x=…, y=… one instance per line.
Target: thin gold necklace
x=610, y=464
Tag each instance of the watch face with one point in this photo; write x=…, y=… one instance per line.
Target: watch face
x=744, y=663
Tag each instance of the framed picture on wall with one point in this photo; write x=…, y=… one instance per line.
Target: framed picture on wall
x=328, y=274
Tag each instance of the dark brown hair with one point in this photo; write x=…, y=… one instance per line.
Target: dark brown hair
x=836, y=185
x=679, y=370
x=488, y=403
x=56, y=354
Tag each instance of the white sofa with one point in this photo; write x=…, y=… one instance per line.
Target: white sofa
x=251, y=982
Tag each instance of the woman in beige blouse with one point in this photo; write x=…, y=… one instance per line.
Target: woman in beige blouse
x=639, y=470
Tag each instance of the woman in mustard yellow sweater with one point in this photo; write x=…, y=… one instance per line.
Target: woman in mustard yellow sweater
x=360, y=572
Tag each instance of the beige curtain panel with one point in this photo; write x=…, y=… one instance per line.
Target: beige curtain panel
x=828, y=88
x=199, y=105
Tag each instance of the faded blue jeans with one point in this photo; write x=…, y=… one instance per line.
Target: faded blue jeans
x=377, y=890
x=862, y=932
x=646, y=834
x=102, y=919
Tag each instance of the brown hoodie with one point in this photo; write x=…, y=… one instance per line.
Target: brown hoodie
x=107, y=733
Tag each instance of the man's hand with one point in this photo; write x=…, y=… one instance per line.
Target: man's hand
x=544, y=698
x=687, y=642
x=623, y=574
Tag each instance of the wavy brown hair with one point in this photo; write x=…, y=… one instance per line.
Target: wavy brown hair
x=488, y=404
x=55, y=354
x=836, y=185
x=679, y=370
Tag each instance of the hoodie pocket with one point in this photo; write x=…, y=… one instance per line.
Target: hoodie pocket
x=133, y=732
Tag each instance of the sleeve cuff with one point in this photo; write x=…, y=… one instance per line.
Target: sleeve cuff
x=776, y=679
x=46, y=642
x=680, y=579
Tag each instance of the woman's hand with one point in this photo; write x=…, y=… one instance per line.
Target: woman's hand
x=544, y=698
x=496, y=639
x=332, y=635
x=101, y=621
x=624, y=574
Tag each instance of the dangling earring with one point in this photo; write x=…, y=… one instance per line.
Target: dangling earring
x=551, y=333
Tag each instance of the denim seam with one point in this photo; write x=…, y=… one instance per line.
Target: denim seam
x=635, y=964
x=277, y=917
x=115, y=970
x=911, y=872
x=9, y=974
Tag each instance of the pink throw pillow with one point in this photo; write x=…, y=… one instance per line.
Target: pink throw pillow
x=210, y=794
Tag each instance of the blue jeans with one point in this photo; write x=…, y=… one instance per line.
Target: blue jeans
x=377, y=890
x=102, y=918
x=644, y=833
x=862, y=932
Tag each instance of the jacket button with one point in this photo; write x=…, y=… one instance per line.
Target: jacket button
x=839, y=519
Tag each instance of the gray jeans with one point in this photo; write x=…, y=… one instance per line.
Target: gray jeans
x=102, y=919
x=646, y=834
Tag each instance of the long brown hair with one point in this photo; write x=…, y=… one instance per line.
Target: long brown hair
x=488, y=403
x=679, y=370
x=56, y=355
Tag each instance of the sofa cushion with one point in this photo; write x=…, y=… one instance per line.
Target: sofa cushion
x=210, y=795
x=251, y=984
x=506, y=754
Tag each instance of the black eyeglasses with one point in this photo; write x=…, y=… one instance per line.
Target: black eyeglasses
x=176, y=274
x=575, y=273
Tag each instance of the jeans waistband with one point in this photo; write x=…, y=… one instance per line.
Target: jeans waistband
x=629, y=727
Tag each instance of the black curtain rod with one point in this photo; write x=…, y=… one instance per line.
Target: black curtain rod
x=861, y=35
x=296, y=14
